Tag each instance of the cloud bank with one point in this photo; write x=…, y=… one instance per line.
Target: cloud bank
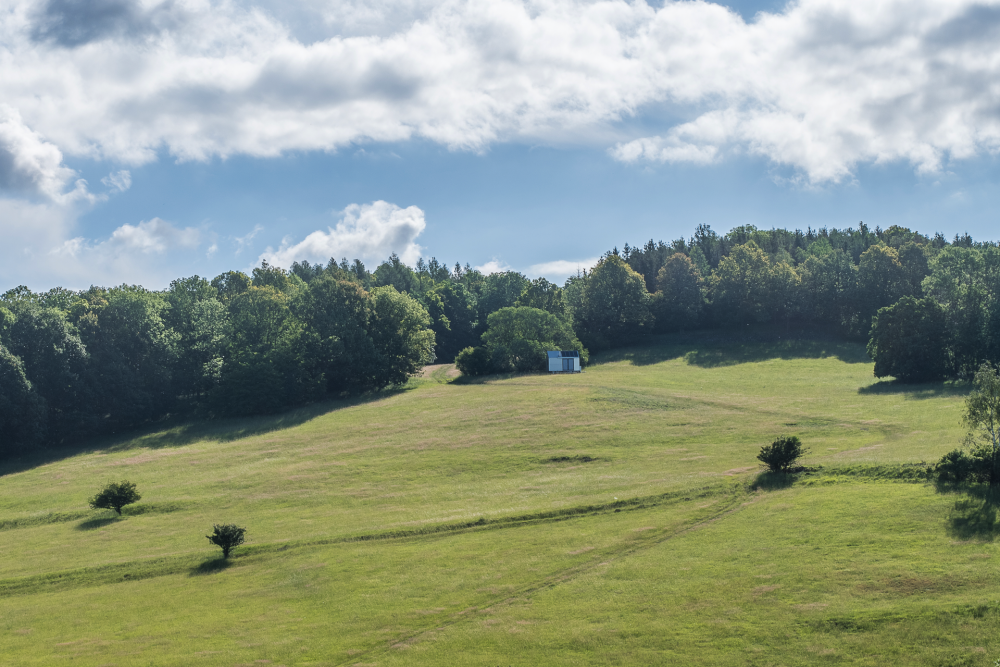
x=822, y=87
x=369, y=232
x=819, y=89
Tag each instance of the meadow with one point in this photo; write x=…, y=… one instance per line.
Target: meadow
x=612, y=517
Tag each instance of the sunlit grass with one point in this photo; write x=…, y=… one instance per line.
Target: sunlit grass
x=463, y=522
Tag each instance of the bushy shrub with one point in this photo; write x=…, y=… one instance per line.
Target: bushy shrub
x=781, y=454
x=474, y=361
x=958, y=466
x=115, y=496
x=517, y=339
x=227, y=536
x=955, y=466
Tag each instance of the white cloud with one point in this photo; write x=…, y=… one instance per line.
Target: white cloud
x=243, y=242
x=369, y=232
x=821, y=87
x=559, y=270
x=492, y=266
x=119, y=180
x=40, y=249
x=153, y=236
x=31, y=166
x=123, y=251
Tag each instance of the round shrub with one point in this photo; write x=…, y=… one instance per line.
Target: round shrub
x=781, y=454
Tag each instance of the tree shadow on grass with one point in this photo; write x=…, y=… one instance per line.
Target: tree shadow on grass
x=768, y=480
x=918, y=391
x=487, y=379
x=98, y=522
x=773, y=481
x=184, y=430
x=719, y=348
x=212, y=566
x=975, y=514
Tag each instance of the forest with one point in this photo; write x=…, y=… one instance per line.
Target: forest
x=74, y=364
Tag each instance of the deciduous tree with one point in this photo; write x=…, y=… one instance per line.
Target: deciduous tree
x=910, y=341
x=115, y=496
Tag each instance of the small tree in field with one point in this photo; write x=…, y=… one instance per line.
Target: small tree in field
x=781, y=454
x=982, y=416
x=227, y=536
x=115, y=496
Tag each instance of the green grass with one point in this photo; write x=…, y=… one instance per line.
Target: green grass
x=612, y=517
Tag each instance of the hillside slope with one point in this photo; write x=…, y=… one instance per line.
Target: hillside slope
x=601, y=518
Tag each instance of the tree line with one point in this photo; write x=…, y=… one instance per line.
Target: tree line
x=928, y=308
x=79, y=363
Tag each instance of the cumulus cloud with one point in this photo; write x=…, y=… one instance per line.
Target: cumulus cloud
x=40, y=249
x=153, y=236
x=369, y=232
x=72, y=23
x=492, y=266
x=821, y=87
x=30, y=165
x=119, y=180
x=150, y=237
x=559, y=270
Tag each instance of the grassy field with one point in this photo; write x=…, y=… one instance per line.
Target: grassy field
x=612, y=517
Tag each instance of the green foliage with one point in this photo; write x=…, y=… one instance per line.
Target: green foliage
x=517, y=339
x=269, y=369
x=132, y=352
x=453, y=319
x=394, y=273
x=910, y=341
x=227, y=536
x=916, y=267
x=115, y=496
x=474, y=361
x=739, y=286
x=57, y=363
x=542, y=294
x=881, y=282
x=275, y=277
x=614, y=305
x=401, y=335
x=205, y=336
x=679, y=298
x=781, y=454
x=982, y=416
x=336, y=314
x=496, y=291
x=829, y=288
x=104, y=359
x=230, y=284
x=955, y=466
x=960, y=283
x=22, y=410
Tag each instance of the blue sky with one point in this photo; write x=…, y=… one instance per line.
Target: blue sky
x=686, y=114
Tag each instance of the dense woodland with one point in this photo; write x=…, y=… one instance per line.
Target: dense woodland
x=77, y=364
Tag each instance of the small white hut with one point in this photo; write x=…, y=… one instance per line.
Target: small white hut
x=564, y=361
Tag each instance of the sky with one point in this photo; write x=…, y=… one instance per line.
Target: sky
x=146, y=140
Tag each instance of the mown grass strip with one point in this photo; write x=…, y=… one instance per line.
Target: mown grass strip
x=912, y=473
x=867, y=622
x=144, y=569
x=65, y=517
x=156, y=567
